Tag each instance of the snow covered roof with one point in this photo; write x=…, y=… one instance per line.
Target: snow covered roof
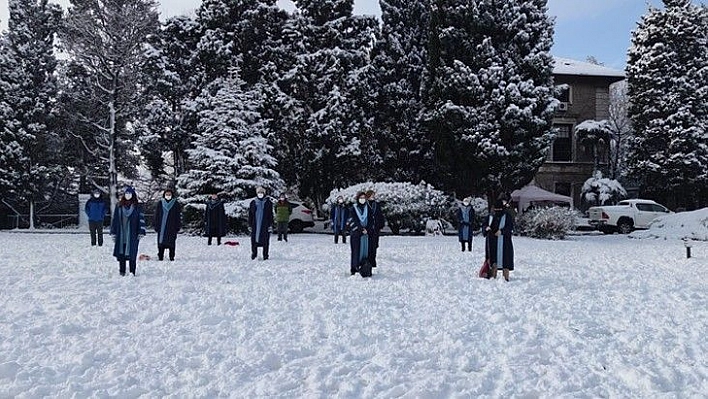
x=566, y=66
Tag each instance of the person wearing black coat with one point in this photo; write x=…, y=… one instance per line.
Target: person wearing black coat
x=361, y=227
x=465, y=220
x=379, y=223
x=499, y=249
x=215, y=219
x=260, y=220
x=167, y=222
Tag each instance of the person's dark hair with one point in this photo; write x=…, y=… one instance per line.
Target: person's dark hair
x=132, y=201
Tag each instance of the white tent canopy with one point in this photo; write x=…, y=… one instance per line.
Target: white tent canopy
x=532, y=194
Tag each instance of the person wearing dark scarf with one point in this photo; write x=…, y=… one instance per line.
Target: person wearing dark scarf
x=260, y=220
x=361, y=227
x=498, y=229
x=168, y=221
x=215, y=219
x=127, y=228
x=340, y=217
x=379, y=222
x=465, y=220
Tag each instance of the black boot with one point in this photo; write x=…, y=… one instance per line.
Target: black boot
x=463, y=247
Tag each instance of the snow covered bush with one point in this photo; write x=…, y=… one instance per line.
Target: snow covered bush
x=598, y=190
x=552, y=223
x=404, y=205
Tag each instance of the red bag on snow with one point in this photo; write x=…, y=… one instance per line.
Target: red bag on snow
x=484, y=270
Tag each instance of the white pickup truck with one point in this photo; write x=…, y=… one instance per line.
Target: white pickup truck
x=626, y=216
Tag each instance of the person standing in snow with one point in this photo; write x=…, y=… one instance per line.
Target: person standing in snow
x=282, y=217
x=498, y=229
x=465, y=220
x=96, y=210
x=361, y=227
x=378, y=223
x=215, y=219
x=167, y=222
x=260, y=220
x=340, y=216
x=127, y=228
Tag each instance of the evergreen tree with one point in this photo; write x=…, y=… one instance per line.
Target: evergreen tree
x=490, y=92
x=106, y=40
x=230, y=153
x=668, y=91
x=324, y=81
x=243, y=34
x=27, y=99
x=173, y=79
x=397, y=72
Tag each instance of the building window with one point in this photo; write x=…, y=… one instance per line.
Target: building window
x=562, y=189
x=562, y=150
x=566, y=94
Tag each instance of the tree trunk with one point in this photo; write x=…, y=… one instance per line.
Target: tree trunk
x=31, y=214
x=112, y=170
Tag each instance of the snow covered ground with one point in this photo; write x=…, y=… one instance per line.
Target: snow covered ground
x=589, y=317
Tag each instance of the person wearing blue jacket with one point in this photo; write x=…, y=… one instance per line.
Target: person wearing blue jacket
x=96, y=210
x=167, y=222
x=127, y=228
x=340, y=216
x=260, y=220
x=465, y=221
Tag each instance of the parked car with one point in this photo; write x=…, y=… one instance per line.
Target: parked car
x=626, y=216
x=300, y=218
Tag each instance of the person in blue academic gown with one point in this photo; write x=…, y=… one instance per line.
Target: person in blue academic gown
x=260, y=221
x=127, y=228
x=167, y=222
x=361, y=227
x=498, y=230
x=340, y=218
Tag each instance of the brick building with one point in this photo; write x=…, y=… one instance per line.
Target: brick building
x=586, y=97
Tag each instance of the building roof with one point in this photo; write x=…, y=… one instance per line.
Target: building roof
x=566, y=66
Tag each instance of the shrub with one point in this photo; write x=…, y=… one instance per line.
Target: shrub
x=552, y=223
x=404, y=205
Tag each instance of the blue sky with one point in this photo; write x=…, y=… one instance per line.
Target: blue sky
x=598, y=28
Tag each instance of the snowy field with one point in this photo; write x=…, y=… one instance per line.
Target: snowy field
x=590, y=317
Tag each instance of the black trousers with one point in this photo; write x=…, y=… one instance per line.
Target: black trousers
x=161, y=251
x=96, y=230
x=341, y=233
x=254, y=249
x=218, y=240
x=121, y=267
x=282, y=231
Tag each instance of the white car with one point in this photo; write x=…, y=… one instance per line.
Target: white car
x=626, y=216
x=300, y=218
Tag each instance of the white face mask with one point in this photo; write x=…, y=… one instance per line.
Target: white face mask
x=340, y=201
x=261, y=195
x=168, y=197
x=362, y=201
x=96, y=195
x=465, y=203
x=128, y=196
